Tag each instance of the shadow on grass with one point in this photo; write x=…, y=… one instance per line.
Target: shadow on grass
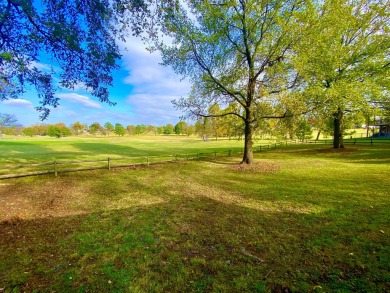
x=192, y=244
x=377, y=154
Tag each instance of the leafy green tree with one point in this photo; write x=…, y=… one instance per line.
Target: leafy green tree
x=77, y=127
x=141, y=129
x=190, y=130
x=40, y=129
x=13, y=130
x=217, y=125
x=344, y=57
x=58, y=130
x=169, y=129
x=203, y=128
x=232, y=124
x=28, y=131
x=181, y=127
x=109, y=127
x=303, y=130
x=152, y=129
x=234, y=52
x=119, y=129
x=95, y=127
x=160, y=129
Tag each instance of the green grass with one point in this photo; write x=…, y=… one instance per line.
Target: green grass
x=304, y=219
x=42, y=149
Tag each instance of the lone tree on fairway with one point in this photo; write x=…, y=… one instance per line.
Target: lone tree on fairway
x=119, y=129
x=234, y=52
x=79, y=37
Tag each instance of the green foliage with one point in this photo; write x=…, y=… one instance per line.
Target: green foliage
x=181, y=127
x=169, y=129
x=108, y=126
x=343, y=58
x=141, y=129
x=81, y=38
x=95, y=127
x=58, y=130
x=304, y=130
x=77, y=127
x=119, y=129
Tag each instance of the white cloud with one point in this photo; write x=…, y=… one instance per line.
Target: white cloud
x=19, y=103
x=79, y=99
x=151, y=109
x=154, y=86
x=41, y=66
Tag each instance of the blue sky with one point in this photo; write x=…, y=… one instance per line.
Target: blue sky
x=143, y=91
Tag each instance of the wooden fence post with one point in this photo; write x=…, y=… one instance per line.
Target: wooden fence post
x=55, y=168
x=147, y=161
x=109, y=163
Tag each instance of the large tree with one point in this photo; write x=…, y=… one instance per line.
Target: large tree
x=345, y=58
x=78, y=37
x=234, y=52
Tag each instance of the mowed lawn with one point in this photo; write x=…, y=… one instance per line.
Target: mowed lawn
x=47, y=149
x=303, y=218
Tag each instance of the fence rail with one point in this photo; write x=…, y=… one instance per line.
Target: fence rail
x=56, y=167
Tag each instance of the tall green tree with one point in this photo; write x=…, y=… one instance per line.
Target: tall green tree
x=344, y=57
x=181, y=127
x=77, y=127
x=95, y=127
x=58, y=130
x=169, y=129
x=109, y=127
x=119, y=129
x=233, y=52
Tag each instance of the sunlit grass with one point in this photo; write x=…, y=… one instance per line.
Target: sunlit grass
x=43, y=149
x=304, y=219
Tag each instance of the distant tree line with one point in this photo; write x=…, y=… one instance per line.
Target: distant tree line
x=229, y=126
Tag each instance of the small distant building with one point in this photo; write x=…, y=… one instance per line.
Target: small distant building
x=383, y=129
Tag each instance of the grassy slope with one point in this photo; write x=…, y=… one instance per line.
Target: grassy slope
x=303, y=219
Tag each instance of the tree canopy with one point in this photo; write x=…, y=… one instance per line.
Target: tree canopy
x=78, y=36
x=344, y=58
x=276, y=59
x=233, y=52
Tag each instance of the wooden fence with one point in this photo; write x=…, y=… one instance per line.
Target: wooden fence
x=56, y=167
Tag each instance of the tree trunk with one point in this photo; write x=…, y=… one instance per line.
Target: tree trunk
x=338, y=142
x=248, y=151
x=318, y=135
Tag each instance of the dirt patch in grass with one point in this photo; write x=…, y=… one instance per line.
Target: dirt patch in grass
x=55, y=198
x=257, y=167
